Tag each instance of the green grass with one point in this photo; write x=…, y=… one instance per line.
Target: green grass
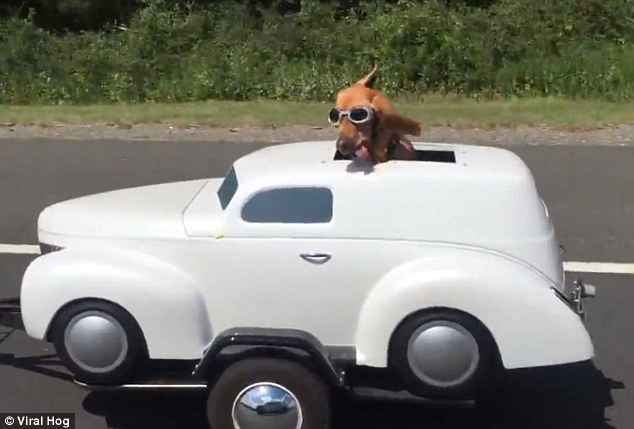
x=459, y=113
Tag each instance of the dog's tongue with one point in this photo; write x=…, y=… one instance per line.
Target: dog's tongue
x=362, y=153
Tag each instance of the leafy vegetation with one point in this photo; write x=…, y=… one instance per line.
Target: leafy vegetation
x=169, y=52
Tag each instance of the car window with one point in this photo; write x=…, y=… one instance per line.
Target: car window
x=290, y=205
x=228, y=188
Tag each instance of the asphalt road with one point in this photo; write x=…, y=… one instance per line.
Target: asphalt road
x=589, y=194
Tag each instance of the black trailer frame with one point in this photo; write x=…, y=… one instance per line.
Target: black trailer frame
x=10, y=314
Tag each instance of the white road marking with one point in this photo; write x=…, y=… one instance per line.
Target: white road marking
x=570, y=266
x=20, y=249
x=599, y=267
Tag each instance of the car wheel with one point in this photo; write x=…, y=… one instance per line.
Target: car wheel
x=263, y=393
x=99, y=342
x=442, y=354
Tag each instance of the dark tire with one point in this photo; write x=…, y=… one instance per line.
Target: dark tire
x=457, y=365
x=309, y=390
x=112, y=351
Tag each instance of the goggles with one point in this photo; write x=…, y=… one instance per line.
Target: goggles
x=356, y=115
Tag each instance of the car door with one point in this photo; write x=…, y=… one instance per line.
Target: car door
x=287, y=273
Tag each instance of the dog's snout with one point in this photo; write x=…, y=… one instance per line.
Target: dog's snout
x=344, y=145
x=347, y=139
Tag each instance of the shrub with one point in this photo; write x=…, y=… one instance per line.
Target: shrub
x=170, y=53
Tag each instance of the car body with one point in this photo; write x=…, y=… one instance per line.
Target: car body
x=294, y=237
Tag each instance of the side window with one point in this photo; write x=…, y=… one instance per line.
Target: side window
x=290, y=205
x=228, y=188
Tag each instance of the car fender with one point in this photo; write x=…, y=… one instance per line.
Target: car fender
x=162, y=298
x=529, y=323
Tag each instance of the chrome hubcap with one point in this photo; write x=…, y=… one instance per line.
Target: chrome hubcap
x=96, y=341
x=266, y=406
x=443, y=353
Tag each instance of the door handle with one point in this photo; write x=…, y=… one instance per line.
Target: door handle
x=316, y=258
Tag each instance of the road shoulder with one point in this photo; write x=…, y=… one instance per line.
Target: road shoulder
x=619, y=135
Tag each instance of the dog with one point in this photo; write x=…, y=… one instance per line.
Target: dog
x=369, y=127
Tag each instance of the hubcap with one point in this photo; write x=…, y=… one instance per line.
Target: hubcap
x=96, y=341
x=442, y=353
x=266, y=406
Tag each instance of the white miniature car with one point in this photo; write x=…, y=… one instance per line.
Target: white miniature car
x=442, y=271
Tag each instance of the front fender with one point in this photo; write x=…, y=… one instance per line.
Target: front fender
x=530, y=325
x=163, y=299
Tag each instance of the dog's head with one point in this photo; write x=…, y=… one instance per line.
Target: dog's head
x=365, y=118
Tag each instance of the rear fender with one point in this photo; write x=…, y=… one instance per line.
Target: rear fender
x=163, y=299
x=529, y=323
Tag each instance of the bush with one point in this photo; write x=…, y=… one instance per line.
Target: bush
x=169, y=53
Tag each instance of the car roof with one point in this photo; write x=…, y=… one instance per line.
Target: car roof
x=307, y=161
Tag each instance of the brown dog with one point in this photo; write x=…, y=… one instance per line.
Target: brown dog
x=369, y=126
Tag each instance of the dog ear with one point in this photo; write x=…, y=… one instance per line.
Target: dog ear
x=394, y=122
x=368, y=80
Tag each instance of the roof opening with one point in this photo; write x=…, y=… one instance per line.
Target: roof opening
x=436, y=156
x=427, y=155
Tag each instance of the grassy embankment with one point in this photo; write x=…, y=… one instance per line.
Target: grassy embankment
x=553, y=113
x=521, y=59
